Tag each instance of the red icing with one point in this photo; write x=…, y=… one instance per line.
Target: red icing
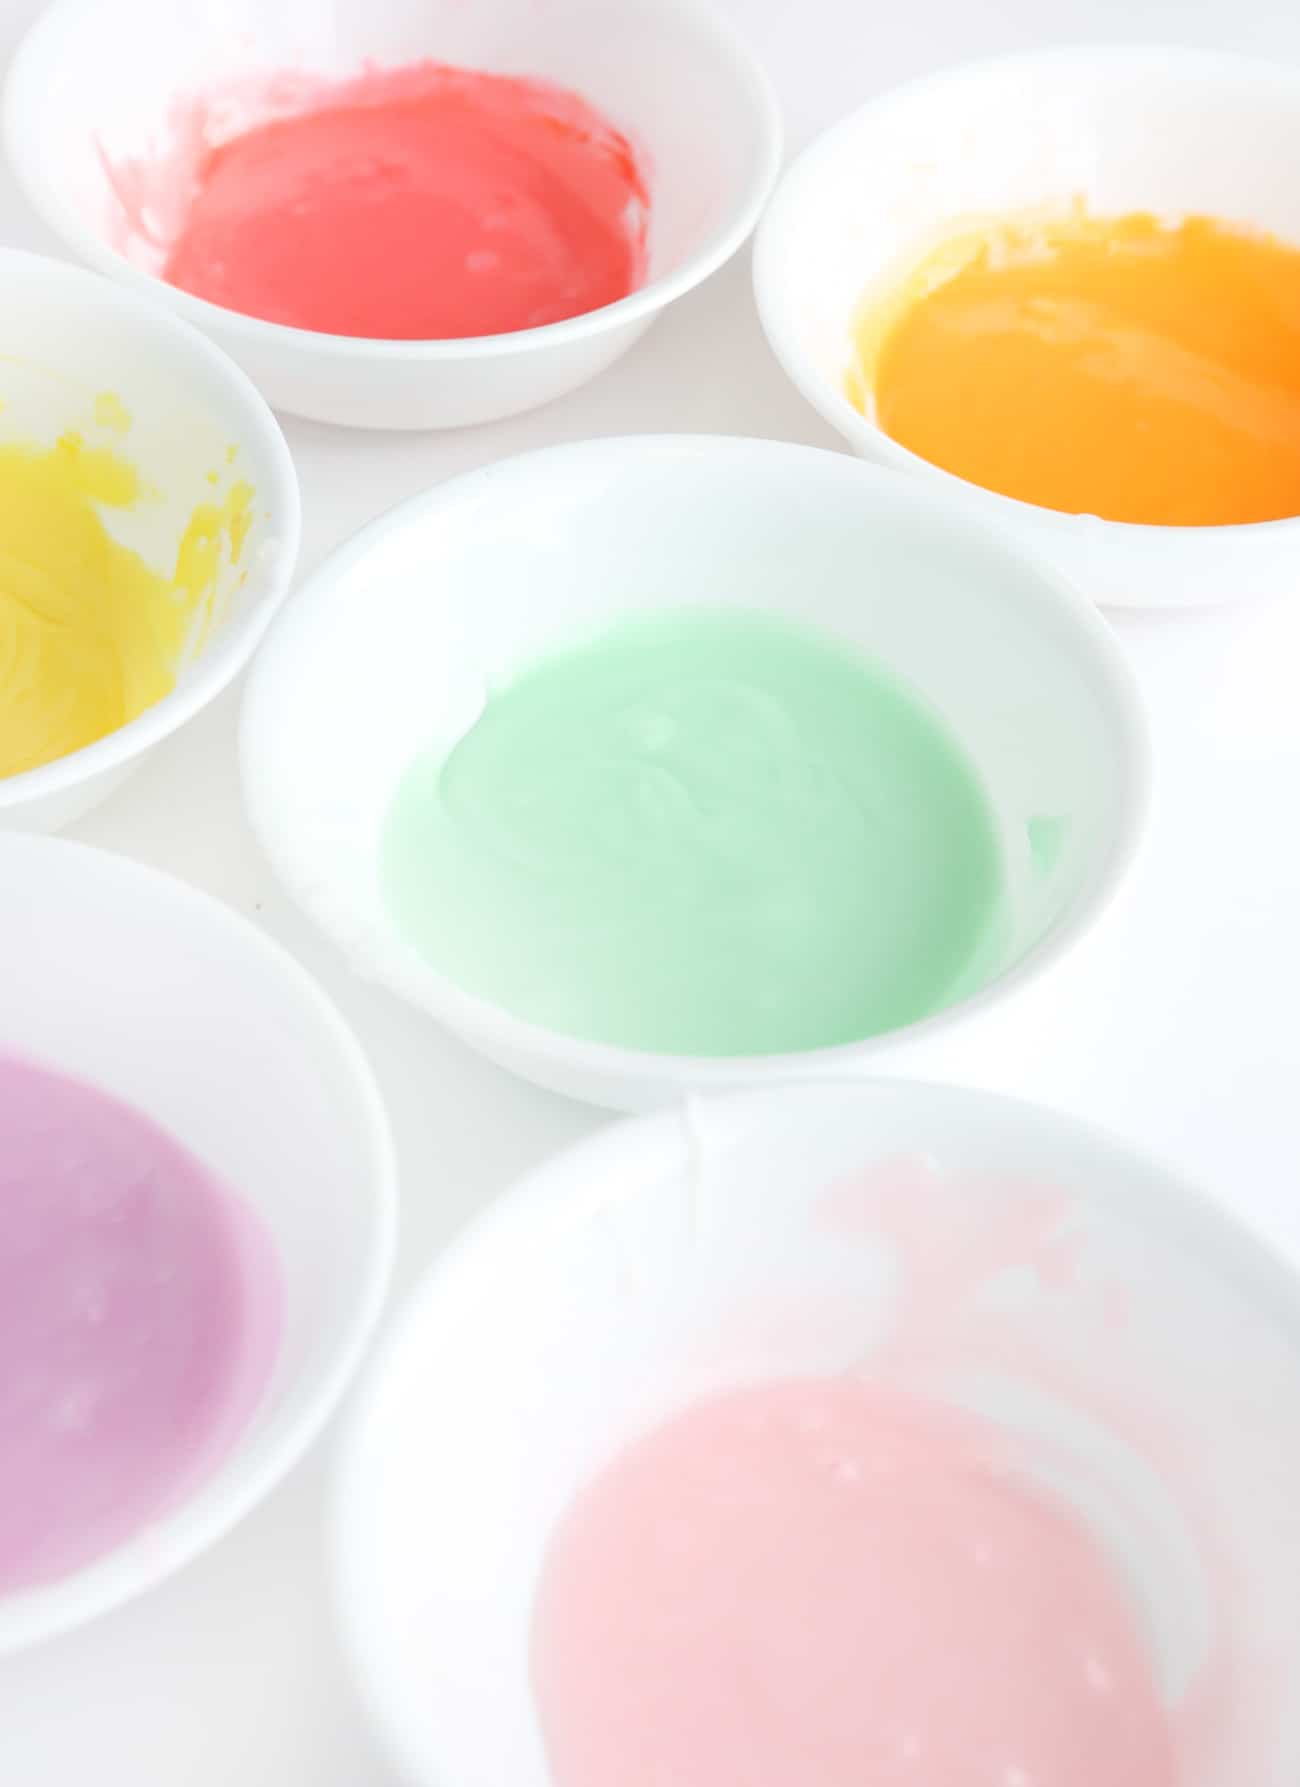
x=421, y=203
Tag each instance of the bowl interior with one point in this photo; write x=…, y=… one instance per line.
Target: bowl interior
x=409, y=627
x=1164, y=131
x=83, y=359
x=154, y=993
x=1125, y=1337
x=663, y=73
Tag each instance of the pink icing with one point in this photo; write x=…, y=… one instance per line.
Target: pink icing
x=836, y=1584
x=956, y=1232
x=139, y=1319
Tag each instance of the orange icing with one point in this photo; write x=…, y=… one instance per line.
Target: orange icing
x=1114, y=366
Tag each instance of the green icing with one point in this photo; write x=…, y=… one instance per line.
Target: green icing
x=707, y=832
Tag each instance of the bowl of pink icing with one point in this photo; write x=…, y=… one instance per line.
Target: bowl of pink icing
x=196, y=1217
x=399, y=216
x=853, y=1433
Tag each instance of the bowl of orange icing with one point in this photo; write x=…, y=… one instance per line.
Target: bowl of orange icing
x=149, y=524
x=1064, y=289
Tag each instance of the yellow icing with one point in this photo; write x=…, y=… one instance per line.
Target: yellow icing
x=111, y=412
x=90, y=635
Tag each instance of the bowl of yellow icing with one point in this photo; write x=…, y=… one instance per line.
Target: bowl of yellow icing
x=149, y=524
x=1062, y=288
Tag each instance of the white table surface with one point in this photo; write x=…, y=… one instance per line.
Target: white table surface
x=1175, y=1024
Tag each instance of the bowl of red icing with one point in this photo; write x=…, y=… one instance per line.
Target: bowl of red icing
x=858, y=1434
x=196, y=1215
x=393, y=215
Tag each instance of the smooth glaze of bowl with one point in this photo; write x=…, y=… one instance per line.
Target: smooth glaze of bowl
x=668, y=72
x=70, y=336
x=1172, y=131
x=165, y=998
x=723, y=1243
x=400, y=630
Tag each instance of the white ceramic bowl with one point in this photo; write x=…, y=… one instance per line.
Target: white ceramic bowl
x=196, y=426
x=1138, y=1349
x=401, y=629
x=668, y=72
x=1166, y=130
x=162, y=996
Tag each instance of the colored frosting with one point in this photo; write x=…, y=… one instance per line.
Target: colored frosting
x=709, y=832
x=90, y=635
x=835, y=1583
x=139, y=1318
x=1115, y=366
x=425, y=202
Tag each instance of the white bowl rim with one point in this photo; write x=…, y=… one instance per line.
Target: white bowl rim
x=834, y=407
x=1234, y=1250
x=479, y=1018
x=58, y=21
x=278, y=492
x=58, y=1606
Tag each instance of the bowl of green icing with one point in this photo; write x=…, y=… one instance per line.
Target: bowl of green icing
x=656, y=764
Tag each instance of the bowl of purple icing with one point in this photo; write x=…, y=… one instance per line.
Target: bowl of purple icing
x=196, y=1222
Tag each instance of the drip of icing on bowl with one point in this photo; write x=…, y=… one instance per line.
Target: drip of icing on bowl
x=1123, y=367
x=425, y=202
x=139, y=1321
x=90, y=634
